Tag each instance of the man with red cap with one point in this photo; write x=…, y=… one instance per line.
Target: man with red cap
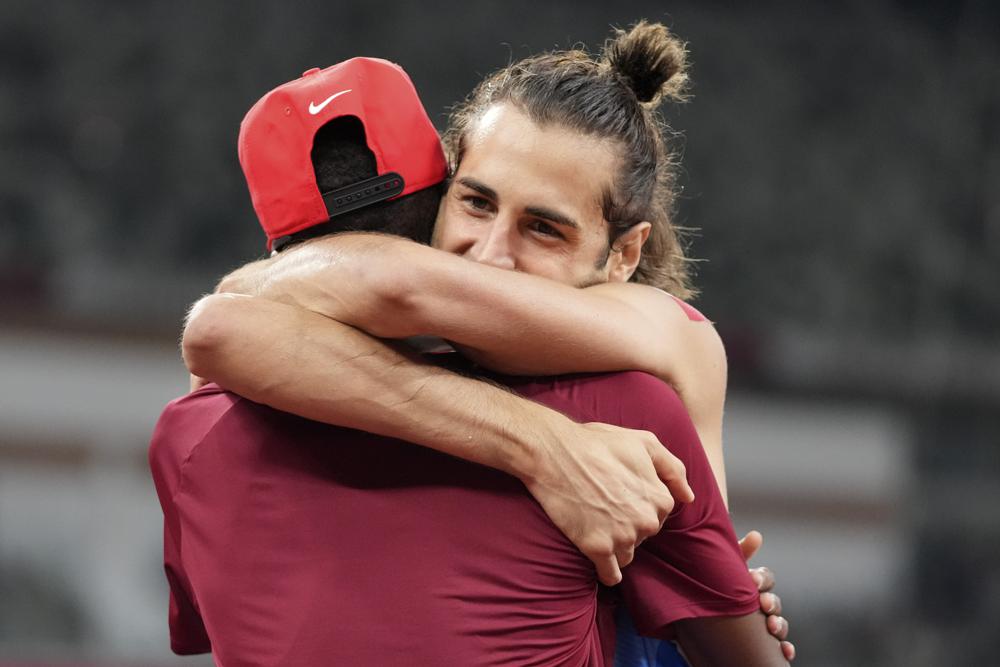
x=277, y=139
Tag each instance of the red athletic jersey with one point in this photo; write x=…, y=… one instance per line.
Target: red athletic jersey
x=289, y=542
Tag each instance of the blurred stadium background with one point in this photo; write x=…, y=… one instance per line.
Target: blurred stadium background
x=842, y=166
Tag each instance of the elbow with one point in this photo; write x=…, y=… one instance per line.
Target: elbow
x=230, y=284
x=205, y=333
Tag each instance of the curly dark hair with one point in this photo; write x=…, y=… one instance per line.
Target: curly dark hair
x=341, y=157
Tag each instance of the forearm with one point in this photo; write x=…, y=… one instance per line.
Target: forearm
x=508, y=321
x=513, y=322
x=339, y=276
x=739, y=640
x=280, y=277
x=605, y=488
x=299, y=362
x=711, y=440
x=394, y=288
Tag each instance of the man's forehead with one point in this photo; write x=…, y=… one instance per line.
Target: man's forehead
x=508, y=122
x=548, y=167
x=486, y=123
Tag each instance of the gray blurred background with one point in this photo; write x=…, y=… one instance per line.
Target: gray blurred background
x=841, y=165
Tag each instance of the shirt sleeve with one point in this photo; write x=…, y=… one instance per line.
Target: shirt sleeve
x=187, y=630
x=693, y=567
x=167, y=451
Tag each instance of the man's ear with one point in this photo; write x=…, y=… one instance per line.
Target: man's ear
x=626, y=251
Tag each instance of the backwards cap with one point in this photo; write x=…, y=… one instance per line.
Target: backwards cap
x=276, y=141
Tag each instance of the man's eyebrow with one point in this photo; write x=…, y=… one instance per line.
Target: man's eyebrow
x=552, y=215
x=536, y=211
x=479, y=187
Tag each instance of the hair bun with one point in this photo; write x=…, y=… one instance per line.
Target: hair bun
x=651, y=60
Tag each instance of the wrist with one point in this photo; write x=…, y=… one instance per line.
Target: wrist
x=538, y=432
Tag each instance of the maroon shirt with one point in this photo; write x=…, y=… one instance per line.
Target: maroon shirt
x=296, y=543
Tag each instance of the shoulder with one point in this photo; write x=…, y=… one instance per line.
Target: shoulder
x=631, y=399
x=185, y=424
x=179, y=430
x=687, y=350
x=638, y=397
x=211, y=414
x=186, y=420
x=693, y=330
x=633, y=394
x=213, y=435
x=674, y=326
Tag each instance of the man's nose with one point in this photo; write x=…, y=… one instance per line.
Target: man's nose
x=496, y=247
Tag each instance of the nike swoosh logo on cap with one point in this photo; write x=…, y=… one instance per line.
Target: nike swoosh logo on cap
x=316, y=108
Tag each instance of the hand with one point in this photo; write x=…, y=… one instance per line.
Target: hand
x=770, y=603
x=607, y=489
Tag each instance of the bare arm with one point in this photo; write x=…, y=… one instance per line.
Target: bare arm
x=507, y=321
x=736, y=640
x=601, y=485
x=345, y=279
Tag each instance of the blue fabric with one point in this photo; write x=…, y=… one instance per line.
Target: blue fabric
x=632, y=650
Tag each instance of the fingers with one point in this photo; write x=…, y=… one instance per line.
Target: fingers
x=763, y=577
x=625, y=557
x=778, y=627
x=662, y=504
x=770, y=604
x=609, y=567
x=671, y=471
x=750, y=544
x=788, y=648
x=608, y=571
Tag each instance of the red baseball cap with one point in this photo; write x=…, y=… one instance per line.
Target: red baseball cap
x=276, y=141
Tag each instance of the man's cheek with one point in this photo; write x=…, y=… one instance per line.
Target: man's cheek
x=440, y=235
x=445, y=238
x=439, y=222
